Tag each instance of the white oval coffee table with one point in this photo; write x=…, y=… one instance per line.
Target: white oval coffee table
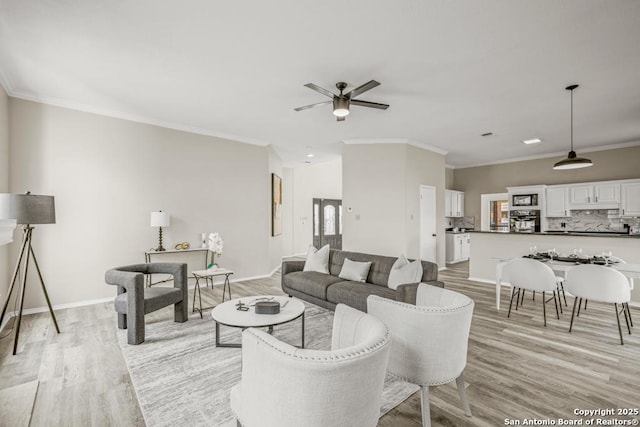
x=228, y=314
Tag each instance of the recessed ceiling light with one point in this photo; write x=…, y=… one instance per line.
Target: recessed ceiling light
x=310, y=155
x=532, y=141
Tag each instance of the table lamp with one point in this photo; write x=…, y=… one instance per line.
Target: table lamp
x=160, y=219
x=26, y=209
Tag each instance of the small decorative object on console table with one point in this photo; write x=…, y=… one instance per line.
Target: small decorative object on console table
x=160, y=219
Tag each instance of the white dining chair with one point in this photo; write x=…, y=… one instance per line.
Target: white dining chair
x=429, y=339
x=617, y=260
x=599, y=283
x=524, y=273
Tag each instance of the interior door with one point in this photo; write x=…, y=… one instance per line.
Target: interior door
x=327, y=223
x=428, y=223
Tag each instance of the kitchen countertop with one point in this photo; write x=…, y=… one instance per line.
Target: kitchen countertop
x=567, y=233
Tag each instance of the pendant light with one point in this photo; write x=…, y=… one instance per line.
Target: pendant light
x=572, y=161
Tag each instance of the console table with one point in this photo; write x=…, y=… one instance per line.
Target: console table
x=196, y=259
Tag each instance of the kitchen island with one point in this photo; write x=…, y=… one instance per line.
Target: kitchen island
x=488, y=247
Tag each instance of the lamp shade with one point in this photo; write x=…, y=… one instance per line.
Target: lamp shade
x=573, y=162
x=160, y=219
x=28, y=208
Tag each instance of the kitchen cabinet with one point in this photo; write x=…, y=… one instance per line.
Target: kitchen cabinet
x=458, y=247
x=630, y=203
x=453, y=203
x=557, y=203
x=602, y=195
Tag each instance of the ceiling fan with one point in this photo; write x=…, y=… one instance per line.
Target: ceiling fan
x=342, y=102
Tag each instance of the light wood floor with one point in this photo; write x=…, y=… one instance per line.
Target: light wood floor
x=516, y=367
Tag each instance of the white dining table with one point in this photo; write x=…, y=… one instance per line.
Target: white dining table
x=632, y=271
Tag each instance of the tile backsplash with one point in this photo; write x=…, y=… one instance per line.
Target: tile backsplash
x=466, y=222
x=593, y=220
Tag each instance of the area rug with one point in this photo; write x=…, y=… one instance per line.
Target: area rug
x=181, y=378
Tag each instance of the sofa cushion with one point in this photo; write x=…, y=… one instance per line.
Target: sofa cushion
x=310, y=282
x=380, y=265
x=403, y=272
x=355, y=294
x=354, y=270
x=317, y=259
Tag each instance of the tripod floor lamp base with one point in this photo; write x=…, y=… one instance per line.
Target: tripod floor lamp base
x=27, y=209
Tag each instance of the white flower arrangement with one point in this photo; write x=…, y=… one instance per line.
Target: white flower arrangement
x=215, y=243
x=215, y=246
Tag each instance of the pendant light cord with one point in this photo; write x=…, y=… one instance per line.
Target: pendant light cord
x=571, y=119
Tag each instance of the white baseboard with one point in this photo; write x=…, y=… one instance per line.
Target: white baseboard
x=43, y=309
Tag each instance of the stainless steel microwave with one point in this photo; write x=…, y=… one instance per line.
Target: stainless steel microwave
x=525, y=200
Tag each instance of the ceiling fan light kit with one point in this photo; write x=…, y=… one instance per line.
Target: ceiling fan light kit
x=343, y=101
x=572, y=161
x=340, y=107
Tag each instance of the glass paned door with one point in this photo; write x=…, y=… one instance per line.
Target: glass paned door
x=327, y=223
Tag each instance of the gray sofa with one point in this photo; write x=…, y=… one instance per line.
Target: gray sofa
x=327, y=290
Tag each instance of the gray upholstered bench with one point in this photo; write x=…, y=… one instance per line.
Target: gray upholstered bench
x=134, y=300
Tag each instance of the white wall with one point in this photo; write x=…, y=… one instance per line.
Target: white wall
x=287, y=211
x=381, y=185
x=374, y=180
x=4, y=187
x=107, y=176
x=324, y=181
x=426, y=168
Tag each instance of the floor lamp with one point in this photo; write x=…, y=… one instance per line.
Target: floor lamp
x=27, y=209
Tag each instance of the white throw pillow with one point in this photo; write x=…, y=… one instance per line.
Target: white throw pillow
x=404, y=271
x=353, y=270
x=317, y=260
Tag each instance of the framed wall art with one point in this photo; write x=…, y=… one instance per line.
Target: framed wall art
x=276, y=205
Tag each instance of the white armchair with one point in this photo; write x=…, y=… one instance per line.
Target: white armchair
x=429, y=339
x=286, y=386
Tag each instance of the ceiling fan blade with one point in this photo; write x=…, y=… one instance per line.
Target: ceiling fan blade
x=361, y=89
x=320, y=90
x=369, y=104
x=312, y=105
x=341, y=119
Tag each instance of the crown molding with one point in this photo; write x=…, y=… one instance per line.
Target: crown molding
x=4, y=82
x=56, y=102
x=396, y=141
x=554, y=154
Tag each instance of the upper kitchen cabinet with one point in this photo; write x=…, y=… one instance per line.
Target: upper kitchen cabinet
x=604, y=195
x=557, y=201
x=453, y=203
x=630, y=205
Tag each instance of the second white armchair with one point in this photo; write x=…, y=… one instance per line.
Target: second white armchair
x=430, y=339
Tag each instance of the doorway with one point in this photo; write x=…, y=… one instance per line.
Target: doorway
x=327, y=223
x=428, y=250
